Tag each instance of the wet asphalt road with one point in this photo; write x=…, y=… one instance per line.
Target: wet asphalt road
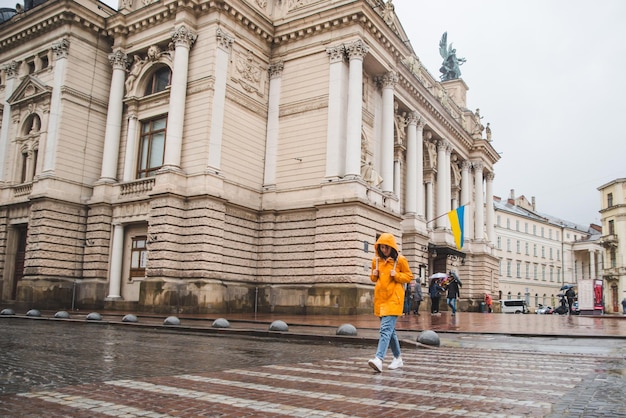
x=76, y=369
x=38, y=355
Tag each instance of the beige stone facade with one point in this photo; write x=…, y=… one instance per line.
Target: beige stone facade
x=613, y=212
x=230, y=156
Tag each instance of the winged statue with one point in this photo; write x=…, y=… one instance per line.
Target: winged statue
x=450, y=66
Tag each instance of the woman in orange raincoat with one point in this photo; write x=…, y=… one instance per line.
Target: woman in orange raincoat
x=390, y=272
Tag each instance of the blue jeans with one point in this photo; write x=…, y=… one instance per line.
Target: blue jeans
x=388, y=337
x=452, y=304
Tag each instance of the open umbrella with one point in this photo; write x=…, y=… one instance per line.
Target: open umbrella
x=566, y=286
x=456, y=277
x=438, y=276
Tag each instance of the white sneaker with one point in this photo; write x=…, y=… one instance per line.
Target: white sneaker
x=376, y=364
x=396, y=363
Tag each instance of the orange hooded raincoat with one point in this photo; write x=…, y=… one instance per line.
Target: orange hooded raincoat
x=389, y=291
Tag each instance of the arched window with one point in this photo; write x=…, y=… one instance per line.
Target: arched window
x=158, y=81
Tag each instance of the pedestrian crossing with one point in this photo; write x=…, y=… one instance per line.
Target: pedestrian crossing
x=447, y=381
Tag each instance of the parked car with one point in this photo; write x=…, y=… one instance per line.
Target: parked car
x=544, y=310
x=517, y=306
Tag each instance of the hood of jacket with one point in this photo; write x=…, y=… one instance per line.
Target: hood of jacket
x=389, y=240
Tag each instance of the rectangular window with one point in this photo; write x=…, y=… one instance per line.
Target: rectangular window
x=138, y=256
x=609, y=200
x=152, y=147
x=519, y=247
x=23, y=173
x=508, y=268
x=611, y=227
x=519, y=269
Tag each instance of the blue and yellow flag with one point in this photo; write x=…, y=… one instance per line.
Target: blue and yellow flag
x=456, y=223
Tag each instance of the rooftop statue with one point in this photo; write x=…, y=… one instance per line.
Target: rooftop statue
x=450, y=66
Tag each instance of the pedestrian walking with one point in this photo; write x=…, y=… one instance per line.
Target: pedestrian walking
x=417, y=297
x=570, y=294
x=408, y=297
x=624, y=306
x=390, y=272
x=435, y=291
x=488, y=302
x=453, y=293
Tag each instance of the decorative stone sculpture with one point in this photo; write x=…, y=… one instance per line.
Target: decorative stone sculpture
x=450, y=67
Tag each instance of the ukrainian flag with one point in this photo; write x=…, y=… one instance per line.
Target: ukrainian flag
x=456, y=223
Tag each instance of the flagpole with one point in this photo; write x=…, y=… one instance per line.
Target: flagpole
x=434, y=219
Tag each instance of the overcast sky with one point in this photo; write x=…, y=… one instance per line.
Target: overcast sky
x=548, y=77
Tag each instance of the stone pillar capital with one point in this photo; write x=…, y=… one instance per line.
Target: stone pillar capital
x=224, y=40
x=276, y=69
x=183, y=36
x=118, y=60
x=336, y=53
x=357, y=50
x=61, y=48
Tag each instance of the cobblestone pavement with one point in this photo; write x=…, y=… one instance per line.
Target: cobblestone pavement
x=58, y=369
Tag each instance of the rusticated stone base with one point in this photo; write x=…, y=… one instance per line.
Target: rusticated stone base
x=211, y=296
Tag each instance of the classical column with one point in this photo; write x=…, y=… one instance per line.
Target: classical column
x=113, y=127
x=448, y=188
x=115, y=269
x=388, y=82
x=490, y=211
x=271, y=138
x=419, y=168
x=183, y=38
x=429, y=202
x=356, y=52
x=60, y=50
x=11, y=76
x=411, y=164
x=466, y=198
x=224, y=46
x=479, y=219
x=131, y=148
x=442, y=184
x=337, y=107
x=592, y=264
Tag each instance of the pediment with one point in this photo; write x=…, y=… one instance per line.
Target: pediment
x=29, y=90
x=388, y=13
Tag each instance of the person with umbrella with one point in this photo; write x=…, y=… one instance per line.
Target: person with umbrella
x=434, y=291
x=390, y=272
x=453, y=292
x=570, y=294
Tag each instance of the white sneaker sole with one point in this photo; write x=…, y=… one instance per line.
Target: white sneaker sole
x=374, y=366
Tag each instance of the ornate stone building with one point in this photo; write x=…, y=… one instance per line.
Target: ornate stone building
x=228, y=156
x=539, y=253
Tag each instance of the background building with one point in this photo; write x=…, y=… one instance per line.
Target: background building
x=613, y=212
x=539, y=253
x=222, y=156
